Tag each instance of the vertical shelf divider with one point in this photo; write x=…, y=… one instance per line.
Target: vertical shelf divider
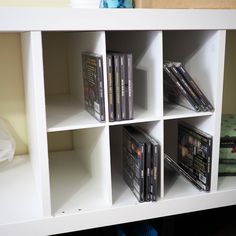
x=161, y=103
x=218, y=108
x=107, y=176
x=36, y=114
x=162, y=159
x=92, y=42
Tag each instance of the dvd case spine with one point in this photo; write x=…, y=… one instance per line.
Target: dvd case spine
x=124, y=87
x=148, y=171
x=110, y=83
x=155, y=171
x=117, y=76
x=130, y=86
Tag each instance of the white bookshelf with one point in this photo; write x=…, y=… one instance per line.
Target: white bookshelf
x=71, y=177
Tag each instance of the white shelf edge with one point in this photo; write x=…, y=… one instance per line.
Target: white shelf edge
x=18, y=19
x=173, y=111
x=74, y=127
x=111, y=215
x=134, y=121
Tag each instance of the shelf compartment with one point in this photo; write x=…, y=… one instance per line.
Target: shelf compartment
x=80, y=174
x=147, y=68
x=63, y=77
x=64, y=112
x=12, y=96
x=23, y=181
x=174, y=183
x=19, y=196
x=200, y=52
x=121, y=193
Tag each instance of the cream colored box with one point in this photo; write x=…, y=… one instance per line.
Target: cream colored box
x=199, y=4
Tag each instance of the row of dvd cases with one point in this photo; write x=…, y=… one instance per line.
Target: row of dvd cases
x=76, y=159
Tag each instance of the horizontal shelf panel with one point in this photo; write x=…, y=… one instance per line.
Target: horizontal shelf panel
x=140, y=115
x=73, y=189
x=17, y=19
x=66, y=113
x=118, y=215
x=172, y=111
x=19, y=200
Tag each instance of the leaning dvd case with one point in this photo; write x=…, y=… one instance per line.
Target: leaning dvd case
x=195, y=153
x=174, y=91
x=92, y=65
x=204, y=100
x=181, y=171
x=186, y=86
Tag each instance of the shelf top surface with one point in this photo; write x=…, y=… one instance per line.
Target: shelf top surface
x=72, y=19
x=19, y=200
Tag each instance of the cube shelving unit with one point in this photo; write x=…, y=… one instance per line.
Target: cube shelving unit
x=70, y=177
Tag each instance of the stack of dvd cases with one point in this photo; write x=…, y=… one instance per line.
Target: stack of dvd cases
x=120, y=86
x=182, y=89
x=141, y=163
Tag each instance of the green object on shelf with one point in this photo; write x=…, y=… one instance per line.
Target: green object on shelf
x=227, y=169
x=228, y=125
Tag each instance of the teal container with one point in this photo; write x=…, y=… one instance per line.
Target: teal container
x=116, y=4
x=142, y=228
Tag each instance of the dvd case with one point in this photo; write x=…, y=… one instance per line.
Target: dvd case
x=195, y=153
x=134, y=162
x=205, y=101
x=93, y=83
x=175, y=92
